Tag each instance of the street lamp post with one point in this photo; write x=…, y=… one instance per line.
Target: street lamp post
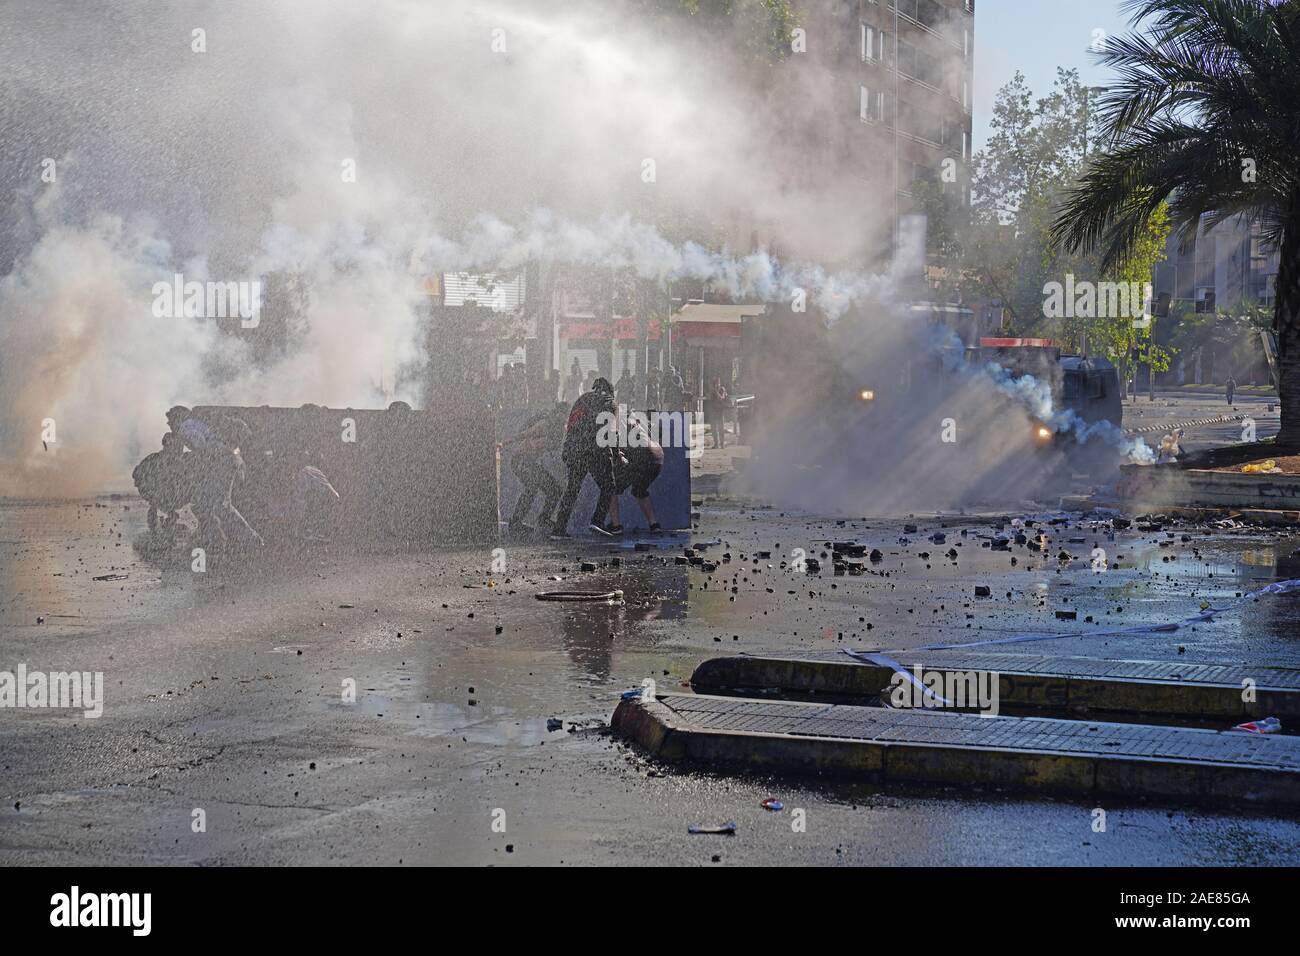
x=897, y=111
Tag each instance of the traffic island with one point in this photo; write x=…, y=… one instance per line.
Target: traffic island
x=1023, y=754
x=1176, y=691
x=1215, y=479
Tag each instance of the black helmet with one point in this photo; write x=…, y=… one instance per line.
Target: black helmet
x=602, y=385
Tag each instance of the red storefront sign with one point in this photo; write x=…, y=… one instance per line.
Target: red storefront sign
x=623, y=329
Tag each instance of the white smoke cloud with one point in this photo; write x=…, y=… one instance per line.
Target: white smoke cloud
x=1035, y=396
x=74, y=348
x=464, y=158
x=236, y=153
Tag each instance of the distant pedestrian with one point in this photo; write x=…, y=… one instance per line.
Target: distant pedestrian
x=717, y=414
x=652, y=396
x=1232, y=389
x=673, y=390
x=625, y=391
x=573, y=384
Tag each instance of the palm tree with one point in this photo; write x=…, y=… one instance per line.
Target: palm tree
x=1204, y=113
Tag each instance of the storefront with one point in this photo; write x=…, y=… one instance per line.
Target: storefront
x=706, y=343
x=608, y=348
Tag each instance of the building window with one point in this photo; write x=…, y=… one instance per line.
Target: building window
x=873, y=44
x=871, y=105
x=1268, y=292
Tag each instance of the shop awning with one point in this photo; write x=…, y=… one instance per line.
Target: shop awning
x=621, y=329
x=696, y=321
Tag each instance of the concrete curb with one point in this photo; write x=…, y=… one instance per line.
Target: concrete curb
x=1215, y=697
x=1194, y=488
x=933, y=759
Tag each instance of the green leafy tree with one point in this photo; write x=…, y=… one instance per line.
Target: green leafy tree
x=1204, y=115
x=1124, y=341
x=1034, y=154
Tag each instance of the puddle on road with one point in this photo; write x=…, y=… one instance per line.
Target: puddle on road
x=497, y=726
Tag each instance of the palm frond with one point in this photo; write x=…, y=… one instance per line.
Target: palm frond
x=1204, y=113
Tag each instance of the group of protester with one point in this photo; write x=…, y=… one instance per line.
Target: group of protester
x=581, y=432
x=663, y=391
x=202, y=463
x=511, y=390
x=209, y=463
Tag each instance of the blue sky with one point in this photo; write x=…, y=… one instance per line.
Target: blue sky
x=1035, y=37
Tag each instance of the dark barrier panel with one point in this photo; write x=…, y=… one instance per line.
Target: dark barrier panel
x=414, y=477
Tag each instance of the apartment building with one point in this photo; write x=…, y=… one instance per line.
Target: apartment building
x=914, y=76
x=885, y=90
x=1221, y=268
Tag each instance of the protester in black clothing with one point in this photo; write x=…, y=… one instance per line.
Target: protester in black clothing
x=585, y=454
x=540, y=433
x=219, y=467
x=165, y=480
x=1232, y=388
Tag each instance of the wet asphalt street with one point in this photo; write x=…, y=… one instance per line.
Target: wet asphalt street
x=224, y=693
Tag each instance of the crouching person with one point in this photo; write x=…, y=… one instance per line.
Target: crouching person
x=638, y=467
x=219, y=467
x=165, y=483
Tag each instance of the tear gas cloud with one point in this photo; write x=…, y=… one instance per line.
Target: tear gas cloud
x=481, y=135
x=227, y=164
x=1035, y=396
